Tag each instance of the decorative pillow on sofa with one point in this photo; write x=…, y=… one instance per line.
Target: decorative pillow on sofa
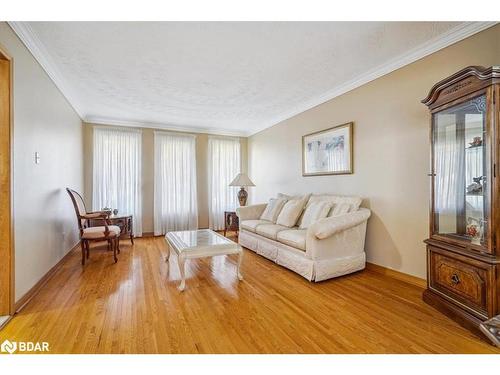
x=340, y=209
x=315, y=211
x=284, y=196
x=273, y=209
x=290, y=212
x=305, y=197
x=340, y=204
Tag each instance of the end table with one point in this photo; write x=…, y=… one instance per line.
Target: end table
x=123, y=221
x=231, y=222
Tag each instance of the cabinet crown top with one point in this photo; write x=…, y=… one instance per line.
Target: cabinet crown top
x=458, y=82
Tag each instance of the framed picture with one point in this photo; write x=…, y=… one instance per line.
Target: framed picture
x=328, y=151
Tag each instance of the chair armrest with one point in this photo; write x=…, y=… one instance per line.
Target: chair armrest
x=99, y=215
x=108, y=213
x=95, y=215
x=250, y=212
x=329, y=226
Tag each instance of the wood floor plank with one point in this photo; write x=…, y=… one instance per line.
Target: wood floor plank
x=134, y=306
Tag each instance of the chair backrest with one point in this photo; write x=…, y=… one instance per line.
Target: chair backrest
x=79, y=206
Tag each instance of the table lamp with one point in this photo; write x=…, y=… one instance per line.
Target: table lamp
x=242, y=180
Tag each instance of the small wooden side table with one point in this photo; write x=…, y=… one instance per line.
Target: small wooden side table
x=123, y=221
x=231, y=222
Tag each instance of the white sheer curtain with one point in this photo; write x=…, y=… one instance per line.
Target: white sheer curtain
x=117, y=172
x=447, y=165
x=224, y=161
x=175, y=200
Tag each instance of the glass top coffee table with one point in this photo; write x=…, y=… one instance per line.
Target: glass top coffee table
x=200, y=243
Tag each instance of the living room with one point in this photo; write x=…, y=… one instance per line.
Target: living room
x=249, y=187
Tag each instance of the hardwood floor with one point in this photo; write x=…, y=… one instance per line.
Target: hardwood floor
x=134, y=307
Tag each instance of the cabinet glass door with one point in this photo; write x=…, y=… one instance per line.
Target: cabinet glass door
x=460, y=181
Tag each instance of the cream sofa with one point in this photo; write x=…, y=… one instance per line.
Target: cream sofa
x=329, y=247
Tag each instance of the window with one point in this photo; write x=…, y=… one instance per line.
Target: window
x=117, y=173
x=224, y=162
x=175, y=201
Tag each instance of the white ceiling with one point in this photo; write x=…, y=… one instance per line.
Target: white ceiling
x=222, y=77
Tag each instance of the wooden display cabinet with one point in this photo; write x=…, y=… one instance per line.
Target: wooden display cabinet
x=462, y=250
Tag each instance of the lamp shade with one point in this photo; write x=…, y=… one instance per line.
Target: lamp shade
x=241, y=179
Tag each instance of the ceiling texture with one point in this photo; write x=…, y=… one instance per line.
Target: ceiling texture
x=233, y=78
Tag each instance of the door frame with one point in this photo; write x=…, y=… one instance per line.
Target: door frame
x=6, y=183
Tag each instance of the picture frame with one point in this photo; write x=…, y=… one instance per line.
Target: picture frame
x=328, y=151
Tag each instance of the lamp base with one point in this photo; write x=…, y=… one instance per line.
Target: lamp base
x=242, y=196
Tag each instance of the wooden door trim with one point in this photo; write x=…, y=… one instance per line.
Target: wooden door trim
x=6, y=210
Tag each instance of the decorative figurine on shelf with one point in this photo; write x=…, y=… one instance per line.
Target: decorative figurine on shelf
x=474, y=229
x=476, y=142
x=475, y=187
x=115, y=211
x=107, y=210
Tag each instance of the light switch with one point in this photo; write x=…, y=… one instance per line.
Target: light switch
x=37, y=157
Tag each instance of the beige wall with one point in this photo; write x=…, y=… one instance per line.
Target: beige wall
x=45, y=227
x=148, y=174
x=391, y=151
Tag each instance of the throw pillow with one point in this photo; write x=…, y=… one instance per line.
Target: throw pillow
x=272, y=210
x=284, y=196
x=340, y=209
x=314, y=211
x=353, y=201
x=290, y=212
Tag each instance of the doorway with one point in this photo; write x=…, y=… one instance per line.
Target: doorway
x=6, y=236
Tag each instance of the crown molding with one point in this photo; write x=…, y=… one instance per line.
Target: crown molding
x=29, y=38
x=161, y=126
x=452, y=36
x=37, y=49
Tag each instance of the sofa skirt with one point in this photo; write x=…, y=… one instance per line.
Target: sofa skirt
x=297, y=260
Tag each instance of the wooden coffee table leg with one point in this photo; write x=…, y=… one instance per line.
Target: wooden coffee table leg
x=182, y=269
x=240, y=260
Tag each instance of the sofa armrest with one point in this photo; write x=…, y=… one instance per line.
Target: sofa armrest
x=329, y=226
x=337, y=237
x=250, y=212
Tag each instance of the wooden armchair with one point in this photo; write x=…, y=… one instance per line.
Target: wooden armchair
x=109, y=233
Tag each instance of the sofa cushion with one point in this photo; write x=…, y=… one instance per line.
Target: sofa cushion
x=290, y=212
x=273, y=209
x=270, y=230
x=340, y=209
x=315, y=211
x=294, y=197
x=251, y=225
x=304, y=197
x=293, y=237
x=337, y=200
